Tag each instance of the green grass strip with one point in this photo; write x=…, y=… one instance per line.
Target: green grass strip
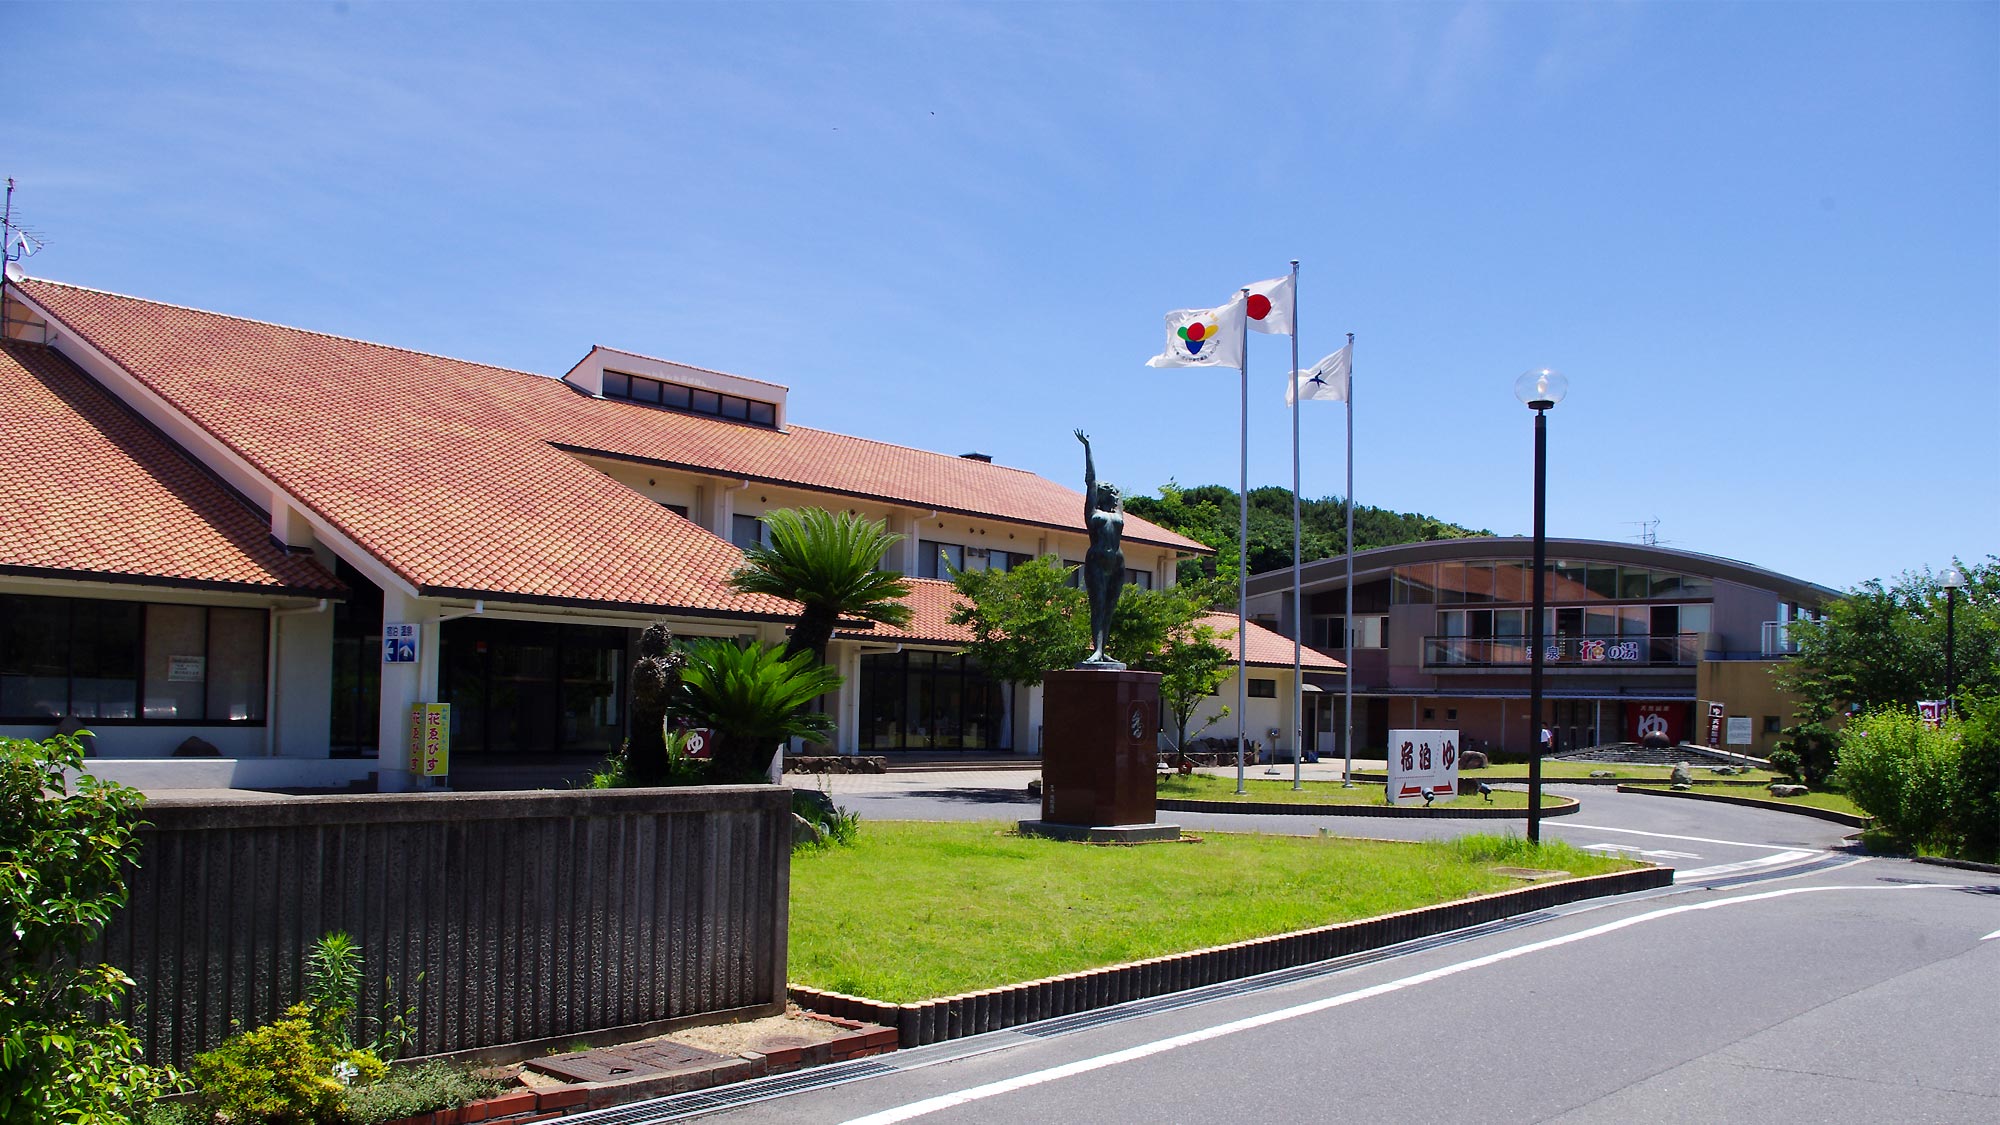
x=1208, y=787
x=1838, y=802
x=1518, y=771
x=919, y=910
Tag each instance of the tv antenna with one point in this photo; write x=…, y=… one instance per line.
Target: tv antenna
x=1649, y=531
x=16, y=243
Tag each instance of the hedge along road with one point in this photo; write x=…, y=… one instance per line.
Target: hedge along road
x=1700, y=840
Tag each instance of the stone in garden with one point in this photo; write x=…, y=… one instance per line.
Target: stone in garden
x=1035, y=788
x=1681, y=776
x=804, y=831
x=1472, y=760
x=1602, y=773
x=1724, y=771
x=1780, y=789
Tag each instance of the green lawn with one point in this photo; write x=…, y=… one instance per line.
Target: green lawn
x=918, y=910
x=1838, y=802
x=1518, y=771
x=1208, y=787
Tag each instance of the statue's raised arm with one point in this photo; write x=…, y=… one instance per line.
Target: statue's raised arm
x=1089, y=478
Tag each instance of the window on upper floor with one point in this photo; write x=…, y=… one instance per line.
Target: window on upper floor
x=933, y=557
x=694, y=400
x=747, y=532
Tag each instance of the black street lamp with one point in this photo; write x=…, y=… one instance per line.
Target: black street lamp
x=1541, y=389
x=1954, y=581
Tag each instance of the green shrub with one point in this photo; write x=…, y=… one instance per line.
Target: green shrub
x=1785, y=761
x=65, y=847
x=283, y=1073
x=1979, y=781
x=1904, y=774
x=425, y=1087
x=1516, y=851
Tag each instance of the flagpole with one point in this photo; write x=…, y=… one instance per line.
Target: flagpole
x=1347, y=778
x=1298, y=622
x=1243, y=546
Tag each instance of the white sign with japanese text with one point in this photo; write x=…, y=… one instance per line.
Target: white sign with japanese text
x=1422, y=760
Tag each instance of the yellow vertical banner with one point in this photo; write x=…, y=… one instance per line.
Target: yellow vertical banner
x=430, y=739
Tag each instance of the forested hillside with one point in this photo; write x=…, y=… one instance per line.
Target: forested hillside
x=1208, y=512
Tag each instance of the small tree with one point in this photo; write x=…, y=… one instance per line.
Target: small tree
x=1025, y=622
x=65, y=848
x=1905, y=774
x=829, y=563
x=754, y=698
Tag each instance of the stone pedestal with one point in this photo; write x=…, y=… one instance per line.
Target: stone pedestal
x=1100, y=753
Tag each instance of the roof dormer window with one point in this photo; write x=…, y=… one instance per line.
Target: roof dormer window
x=694, y=400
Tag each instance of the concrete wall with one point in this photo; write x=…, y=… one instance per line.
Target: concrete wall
x=502, y=918
x=1746, y=690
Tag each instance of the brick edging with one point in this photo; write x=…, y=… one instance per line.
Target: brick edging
x=1834, y=815
x=1377, y=779
x=1459, y=811
x=991, y=1009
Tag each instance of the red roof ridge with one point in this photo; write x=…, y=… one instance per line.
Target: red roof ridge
x=38, y=281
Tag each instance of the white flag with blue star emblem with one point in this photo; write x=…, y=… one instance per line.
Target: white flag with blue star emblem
x=1325, y=380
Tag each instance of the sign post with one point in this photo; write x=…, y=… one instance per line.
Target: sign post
x=1715, y=711
x=430, y=739
x=1422, y=761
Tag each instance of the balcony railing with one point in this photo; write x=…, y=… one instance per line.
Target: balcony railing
x=1666, y=650
x=1779, y=640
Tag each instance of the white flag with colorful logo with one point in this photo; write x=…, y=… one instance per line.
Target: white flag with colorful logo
x=1203, y=338
x=1325, y=380
x=1269, y=306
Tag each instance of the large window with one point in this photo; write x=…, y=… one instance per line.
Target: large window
x=933, y=557
x=357, y=666
x=1512, y=581
x=655, y=392
x=525, y=688
x=130, y=661
x=929, y=701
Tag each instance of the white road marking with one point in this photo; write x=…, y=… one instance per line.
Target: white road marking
x=1668, y=836
x=1160, y=1046
x=1991, y=936
x=1746, y=865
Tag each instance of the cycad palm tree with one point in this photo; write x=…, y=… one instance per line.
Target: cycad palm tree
x=827, y=563
x=753, y=699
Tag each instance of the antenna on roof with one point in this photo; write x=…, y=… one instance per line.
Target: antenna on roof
x=15, y=244
x=1649, y=531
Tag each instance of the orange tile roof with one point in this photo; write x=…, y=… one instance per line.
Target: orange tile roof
x=454, y=473
x=89, y=489
x=1267, y=648
x=931, y=601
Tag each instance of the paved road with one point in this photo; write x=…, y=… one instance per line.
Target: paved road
x=1783, y=980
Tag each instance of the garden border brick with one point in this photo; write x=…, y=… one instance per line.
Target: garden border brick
x=953, y=1017
x=1834, y=815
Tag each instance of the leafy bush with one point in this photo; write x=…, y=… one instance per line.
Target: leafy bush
x=425, y=1087
x=833, y=826
x=754, y=699
x=1785, y=760
x=64, y=850
x=1979, y=781
x=283, y=1073
x=1904, y=774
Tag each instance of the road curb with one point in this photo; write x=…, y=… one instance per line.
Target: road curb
x=1834, y=815
x=1961, y=864
x=1567, y=807
x=992, y=1009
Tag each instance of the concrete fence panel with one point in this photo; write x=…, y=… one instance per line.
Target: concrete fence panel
x=495, y=918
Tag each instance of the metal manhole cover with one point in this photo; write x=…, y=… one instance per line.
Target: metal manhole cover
x=606, y=1064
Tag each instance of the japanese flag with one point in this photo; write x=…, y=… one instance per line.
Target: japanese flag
x=1203, y=338
x=1325, y=380
x=1269, y=306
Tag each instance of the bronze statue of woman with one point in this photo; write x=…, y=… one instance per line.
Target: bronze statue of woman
x=1104, y=564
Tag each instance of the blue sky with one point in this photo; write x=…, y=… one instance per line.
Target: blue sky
x=1762, y=240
